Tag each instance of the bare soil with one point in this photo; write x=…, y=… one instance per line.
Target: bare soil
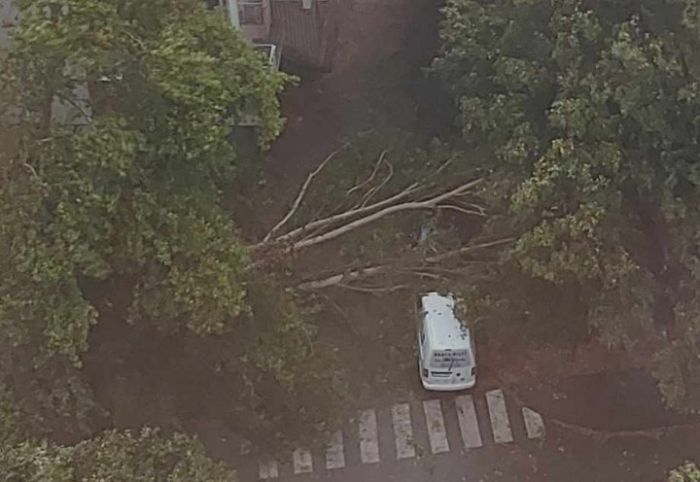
x=142, y=376
x=376, y=87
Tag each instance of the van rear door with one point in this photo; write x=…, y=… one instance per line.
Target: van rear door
x=450, y=359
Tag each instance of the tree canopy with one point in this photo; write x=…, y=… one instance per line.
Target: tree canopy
x=590, y=114
x=117, y=147
x=118, y=122
x=687, y=472
x=134, y=193
x=148, y=456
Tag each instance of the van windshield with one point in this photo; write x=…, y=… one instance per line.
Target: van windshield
x=447, y=359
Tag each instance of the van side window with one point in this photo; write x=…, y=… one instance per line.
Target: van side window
x=422, y=334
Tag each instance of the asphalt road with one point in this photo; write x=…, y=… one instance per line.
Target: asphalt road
x=486, y=435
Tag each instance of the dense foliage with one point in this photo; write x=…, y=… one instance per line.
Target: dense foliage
x=591, y=113
x=118, y=139
x=120, y=457
x=685, y=473
x=135, y=192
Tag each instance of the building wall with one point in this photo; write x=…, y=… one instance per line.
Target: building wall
x=61, y=112
x=255, y=18
x=8, y=16
x=306, y=31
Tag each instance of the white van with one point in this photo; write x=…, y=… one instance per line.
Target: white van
x=445, y=347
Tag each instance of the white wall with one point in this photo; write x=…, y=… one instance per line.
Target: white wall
x=232, y=6
x=61, y=112
x=8, y=15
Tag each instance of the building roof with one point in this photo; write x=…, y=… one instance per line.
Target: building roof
x=442, y=326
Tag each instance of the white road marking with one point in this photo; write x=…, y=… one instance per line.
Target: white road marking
x=499, y=416
x=534, y=425
x=335, y=451
x=369, y=443
x=436, y=426
x=268, y=470
x=468, y=423
x=245, y=447
x=403, y=431
x=302, y=461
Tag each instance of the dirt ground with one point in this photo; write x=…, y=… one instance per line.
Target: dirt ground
x=376, y=87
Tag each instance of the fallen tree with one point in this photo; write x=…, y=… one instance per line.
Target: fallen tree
x=424, y=268
x=430, y=195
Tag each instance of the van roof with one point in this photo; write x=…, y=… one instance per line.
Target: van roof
x=442, y=327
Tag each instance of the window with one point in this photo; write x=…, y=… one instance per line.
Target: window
x=251, y=12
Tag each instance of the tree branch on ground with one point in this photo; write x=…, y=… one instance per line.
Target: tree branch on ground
x=337, y=218
x=370, y=194
x=462, y=210
x=430, y=203
x=343, y=278
x=366, y=182
x=415, y=197
x=468, y=249
x=373, y=289
x=349, y=276
x=448, y=272
x=302, y=193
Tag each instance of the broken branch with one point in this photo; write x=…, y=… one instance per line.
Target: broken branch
x=462, y=210
x=302, y=193
x=371, y=177
x=320, y=223
x=354, y=274
x=342, y=278
x=376, y=189
x=412, y=205
x=367, y=289
x=467, y=249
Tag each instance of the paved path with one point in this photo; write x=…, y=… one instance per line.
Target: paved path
x=410, y=430
x=395, y=441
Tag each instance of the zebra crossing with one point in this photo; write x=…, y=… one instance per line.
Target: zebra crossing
x=403, y=431
x=437, y=433
x=335, y=451
x=500, y=423
x=468, y=423
x=403, y=425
